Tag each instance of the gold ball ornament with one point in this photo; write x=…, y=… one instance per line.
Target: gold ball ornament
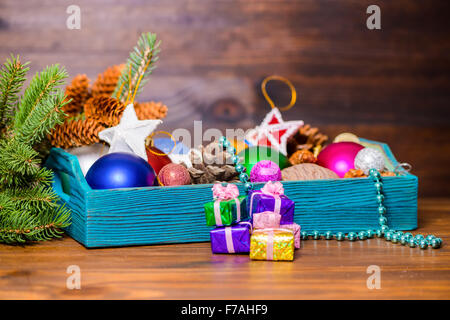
x=347, y=137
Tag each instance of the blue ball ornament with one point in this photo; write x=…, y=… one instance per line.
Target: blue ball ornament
x=120, y=170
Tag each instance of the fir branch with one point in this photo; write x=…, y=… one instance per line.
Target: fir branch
x=20, y=227
x=12, y=77
x=41, y=87
x=42, y=120
x=140, y=65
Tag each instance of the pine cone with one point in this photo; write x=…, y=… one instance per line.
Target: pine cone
x=107, y=81
x=78, y=91
x=76, y=133
x=105, y=110
x=306, y=138
x=212, y=167
x=150, y=110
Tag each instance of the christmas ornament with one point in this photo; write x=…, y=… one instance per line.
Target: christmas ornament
x=129, y=135
x=264, y=171
x=369, y=158
x=239, y=145
x=306, y=138
x=302, y=156
x=174, y=175
x=273, y=131
x=346, y=137
x=87, y=155
x=156, y=158
x=307, y=171
x=120, y=170
x=169, y=147
x=339, y=157
x=252, y=155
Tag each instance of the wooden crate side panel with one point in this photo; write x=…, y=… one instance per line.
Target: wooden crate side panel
x=153, y=215
x=67, y=173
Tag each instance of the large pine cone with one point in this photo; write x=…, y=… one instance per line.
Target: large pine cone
x=106, y=82
x=106, y=110
x=150, y=110
x=76, y=133
x=78, y=91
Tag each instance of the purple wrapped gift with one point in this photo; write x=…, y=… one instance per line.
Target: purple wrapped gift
x=271, y=198
x=233, y=239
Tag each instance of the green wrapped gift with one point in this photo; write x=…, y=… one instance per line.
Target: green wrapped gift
x=226, y=212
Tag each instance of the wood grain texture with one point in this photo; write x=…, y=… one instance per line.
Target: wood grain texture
x=389, y=85
x=321, y=269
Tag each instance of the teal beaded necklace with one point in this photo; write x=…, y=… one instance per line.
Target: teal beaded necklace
x=384, y=231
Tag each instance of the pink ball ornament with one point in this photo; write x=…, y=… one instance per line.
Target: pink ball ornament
x=339, y=157
x=265, y=170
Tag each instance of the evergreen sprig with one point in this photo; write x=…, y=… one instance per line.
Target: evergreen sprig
x=139, y=67
x=29, y=209
x=12, y=77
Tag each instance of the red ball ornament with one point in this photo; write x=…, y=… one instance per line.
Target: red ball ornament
x=157, y=159
x=174, y=174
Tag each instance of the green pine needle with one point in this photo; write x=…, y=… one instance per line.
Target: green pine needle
x=140, y=66
x=12, y=77
x=29, y=208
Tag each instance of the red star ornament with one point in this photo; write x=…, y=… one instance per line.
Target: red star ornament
x=273, y=131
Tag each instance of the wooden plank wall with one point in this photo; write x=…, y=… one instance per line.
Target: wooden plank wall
x=390, y=85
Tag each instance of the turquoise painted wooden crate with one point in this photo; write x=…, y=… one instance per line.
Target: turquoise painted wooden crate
x=161, y=215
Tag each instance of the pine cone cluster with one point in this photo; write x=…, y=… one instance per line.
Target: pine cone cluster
x=211, y=165
x=306, y=138
x=78, y=91
x=93, y=109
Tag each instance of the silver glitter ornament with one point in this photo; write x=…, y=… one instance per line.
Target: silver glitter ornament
x=369, y=158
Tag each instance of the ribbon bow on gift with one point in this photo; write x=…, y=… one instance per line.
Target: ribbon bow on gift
x=229, y=192
x=273, y=188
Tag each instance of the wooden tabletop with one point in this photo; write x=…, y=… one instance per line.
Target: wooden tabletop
x=321, y=270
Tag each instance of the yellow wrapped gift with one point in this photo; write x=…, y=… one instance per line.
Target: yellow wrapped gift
x=272, y=244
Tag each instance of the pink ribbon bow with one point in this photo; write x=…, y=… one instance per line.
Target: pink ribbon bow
x=273, y=188
x=229, y=192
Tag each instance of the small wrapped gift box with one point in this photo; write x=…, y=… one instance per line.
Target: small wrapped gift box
x=296, y=229
x=227, y=208
x=266, y=219
x=271, y=198
x=272, y=244
x=233, y=239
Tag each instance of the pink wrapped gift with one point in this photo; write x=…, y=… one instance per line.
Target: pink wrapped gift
x=266, y=219
x=296, y=229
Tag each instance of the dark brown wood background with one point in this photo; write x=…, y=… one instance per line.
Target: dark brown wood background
x=390, y=85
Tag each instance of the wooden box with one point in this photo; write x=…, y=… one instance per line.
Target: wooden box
x=159, y=215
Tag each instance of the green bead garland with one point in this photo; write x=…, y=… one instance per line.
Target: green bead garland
x=384, y=231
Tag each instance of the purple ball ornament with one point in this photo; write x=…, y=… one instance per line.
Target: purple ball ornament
x=264, y=171
x=120, y=170
x=339, y=157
